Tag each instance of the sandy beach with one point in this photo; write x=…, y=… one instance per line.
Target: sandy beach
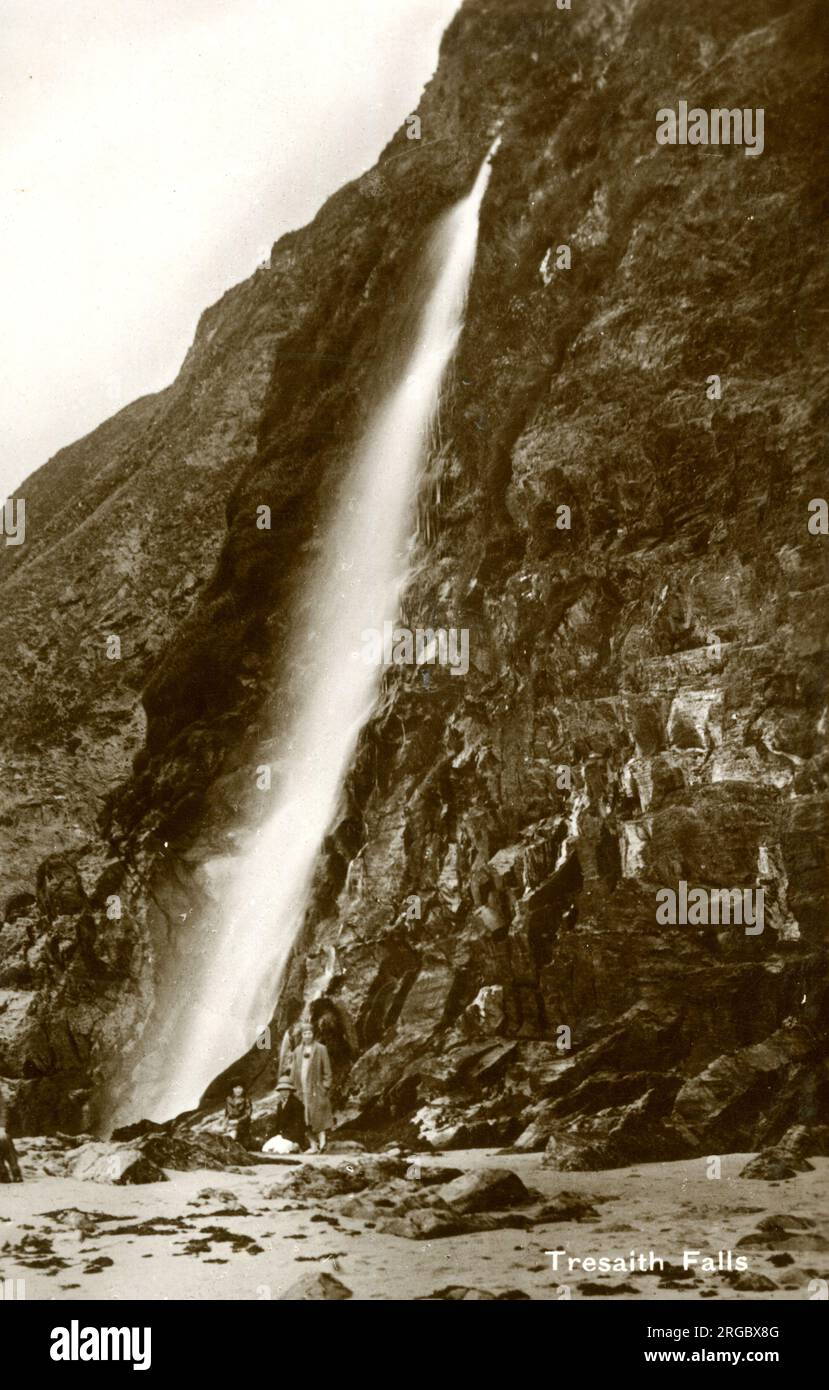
x=209, y=1235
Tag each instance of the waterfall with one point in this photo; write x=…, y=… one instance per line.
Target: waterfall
x=357, y=586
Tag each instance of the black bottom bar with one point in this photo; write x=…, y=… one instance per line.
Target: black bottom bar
x=240, y=1338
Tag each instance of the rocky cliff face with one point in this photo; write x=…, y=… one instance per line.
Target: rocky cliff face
x=628, y=546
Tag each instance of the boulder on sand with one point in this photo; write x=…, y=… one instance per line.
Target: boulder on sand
x=316, y=1287
x=785, y=1232
x=341, y=1179
x=490, y=1189
x=143, y=1159
x=775, y=1165
x=462, y=1293
x=185, y=1151
x=437, y=1222
x=752, y=1283
x=471, y=1202
x=423, y=1223
x=121, y=1164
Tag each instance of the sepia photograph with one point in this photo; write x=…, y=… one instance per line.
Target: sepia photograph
x=414, y=642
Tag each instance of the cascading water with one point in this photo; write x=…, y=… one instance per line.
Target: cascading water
x=366, y=569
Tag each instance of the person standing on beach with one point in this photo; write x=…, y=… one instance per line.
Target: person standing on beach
x=9, y=1166
x=311, y=1079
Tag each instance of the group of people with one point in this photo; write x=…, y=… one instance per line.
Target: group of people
x=303, y=1114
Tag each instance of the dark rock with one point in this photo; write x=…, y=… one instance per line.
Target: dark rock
x=677, y=1272
x=121, y=1164
x=616, y=1138
x=462, y=1293
x=429, y=1207
x=805, y=1141
x=775, y=1165
x=721, y=1104
x=785, y=1240
x=59, y=887
x=425, y=1224
x=431, y=1177
x=785, y=1222
x=85, y=1221
x=222, y=1195
x=476, y=1134
x=188, y=1151
x=313, y=1183
x=490, y=1189
x=566, y=1206
x=317, y=1287
x=180, y=1151
x=19, y=905
x=137, y=1131
x=434, y=1223
x=784, y=1233
x=747, y=1282
x=593, y=1290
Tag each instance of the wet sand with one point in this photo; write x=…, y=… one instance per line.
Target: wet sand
x=160, y=1241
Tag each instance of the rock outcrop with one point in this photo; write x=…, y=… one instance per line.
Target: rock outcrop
x=122, y=1165
x=317, y=1287
x=617, y=512
x=429, y=1203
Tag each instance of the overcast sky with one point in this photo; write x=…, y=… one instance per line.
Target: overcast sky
x=151, y=151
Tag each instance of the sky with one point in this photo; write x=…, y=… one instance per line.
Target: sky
x=151, y=152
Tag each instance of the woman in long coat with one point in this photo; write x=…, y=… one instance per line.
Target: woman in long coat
x=311, y=1079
